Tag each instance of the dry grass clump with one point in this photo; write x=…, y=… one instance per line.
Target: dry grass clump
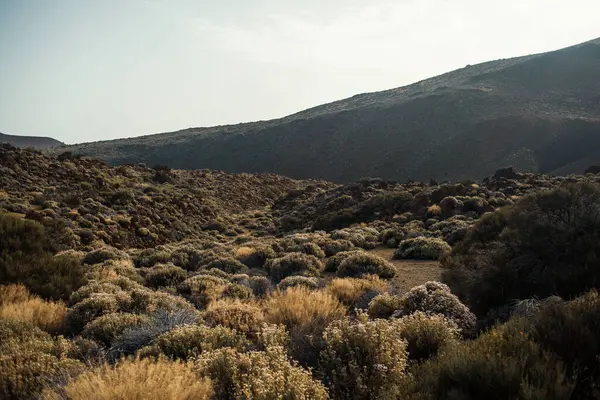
x=293, y=264
x=361, y=264
x=363, y=359
x=383, y=305
x=305, y=313
x=15, y=293
x=422, y=248
x=243, y=317
x=47, y=315
x=351, y=290
x=137, y=379
x=258, y=375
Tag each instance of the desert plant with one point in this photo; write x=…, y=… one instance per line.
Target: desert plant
x=13, y=294
x=260, y=375
x=384, y=305
x=134, y=378
x=351, y=291
x=89, y=309
x=297, y=280
x=165, y=275
x=260, y=285
x=334, y=261
x=358, y=265
x=545, y=244
x=237, y=291
x=293, y=264
x=436, y=298
x=106, y=328
x=104, y=254
x=426, y=335
x=47, y=315
x=422, y=248
x=228, y=265
x=363, y=359
x=255, y=257
x=333, y=247
x=243, y=317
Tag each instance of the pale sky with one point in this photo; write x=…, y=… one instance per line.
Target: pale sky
x=87, y=70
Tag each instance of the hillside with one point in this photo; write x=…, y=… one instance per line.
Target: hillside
x=538, y=113
x=35, y=142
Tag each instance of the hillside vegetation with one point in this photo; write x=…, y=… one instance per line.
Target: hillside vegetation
x=538, y=113
x=121, y=282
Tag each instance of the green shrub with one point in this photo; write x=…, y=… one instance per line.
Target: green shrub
x=92, y=287
x=436, y=298
x=165, y=275
x=293, y=264
x=426, y=334
x=104, y=254
x=202, y=289
x=501, y=364
x=307, y=248
x=228, y=265
x=358, y=265
x=383, y=305
x=188, y=341
x=260, y=375
x=333, y=263
x=237, y=291
x=546, y=244
x=89, y=309
x=106, y=328
x=363, y=359
x=422, y=248
x=297, y=280
x=333, y=247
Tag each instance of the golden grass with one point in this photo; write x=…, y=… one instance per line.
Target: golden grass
x=13, y=294
x=47, y=315
x=434, y=210
x=138, y=379
x=349, y=290
x=299, y=306
x=243, y=252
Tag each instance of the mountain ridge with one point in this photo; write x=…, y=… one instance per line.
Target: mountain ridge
x=525, y=108
x=36, y=142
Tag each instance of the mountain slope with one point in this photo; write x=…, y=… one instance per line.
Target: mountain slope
x=35, y=142
x=539, y=113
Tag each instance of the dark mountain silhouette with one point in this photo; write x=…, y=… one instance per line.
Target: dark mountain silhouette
x=35, y=142
x=538, y=113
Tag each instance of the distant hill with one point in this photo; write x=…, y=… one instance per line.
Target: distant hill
x=30, y=141
x=538, y=113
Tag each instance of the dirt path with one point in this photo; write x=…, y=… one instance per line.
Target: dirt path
x=411, y=273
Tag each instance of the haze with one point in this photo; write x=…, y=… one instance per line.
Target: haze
x=92, y=70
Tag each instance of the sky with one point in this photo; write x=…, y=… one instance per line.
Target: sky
x=88, y=70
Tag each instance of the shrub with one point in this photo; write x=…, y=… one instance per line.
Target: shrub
x=13, y=294
x=546, y=244
x=363, y=359
x=334, y=261
x=202, y=289
x=436, y=298
x=309, y=248
x=188, y=341
x=106, y=328
x=229, y=265
x=237, y=291
x=333, y=247
x=427, y=334
x=243, y=317
x=293, y=264
x=384, y=305
x=258, y=375
x=89, y=309
x=104, y=254
x=297, y=280
x=138, y=379
x=501, y=364
x=260, y=285
x=571, y=330
x=138, y=336
x=422, y=248
x=148, y=301
x=46, y=315
x=351, y=291
x=305, y=314
x=165, y=275
x=95, y=287
x=255, y=257
x=358, y=265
